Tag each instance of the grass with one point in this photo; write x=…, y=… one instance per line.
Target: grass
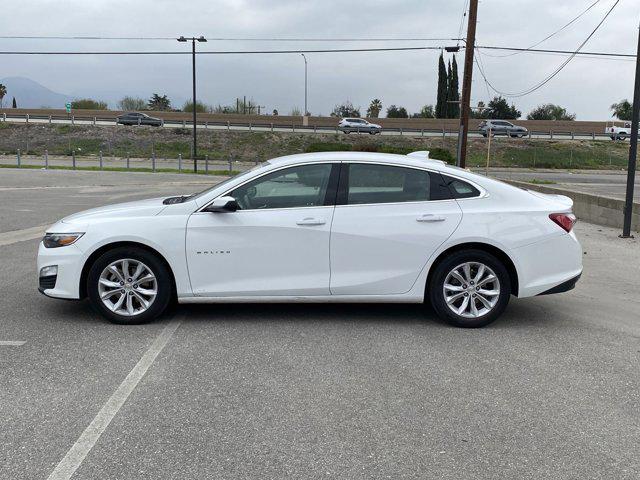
x=220, y=173
x=537, y=181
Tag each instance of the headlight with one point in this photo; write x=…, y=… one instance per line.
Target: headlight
x=55, y=240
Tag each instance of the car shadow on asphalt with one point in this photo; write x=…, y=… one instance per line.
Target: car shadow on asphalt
x=521, y=313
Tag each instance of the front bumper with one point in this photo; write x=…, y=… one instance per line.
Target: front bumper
x=69, y=260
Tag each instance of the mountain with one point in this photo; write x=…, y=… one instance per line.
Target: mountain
x=30, y=94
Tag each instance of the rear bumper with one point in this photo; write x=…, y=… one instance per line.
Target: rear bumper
x=550, y=266
x=563, y=287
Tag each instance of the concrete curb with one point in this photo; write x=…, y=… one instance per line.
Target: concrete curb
x=590, y=208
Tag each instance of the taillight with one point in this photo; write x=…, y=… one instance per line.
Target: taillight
x=565, y=220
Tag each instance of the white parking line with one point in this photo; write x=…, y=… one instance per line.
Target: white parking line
x=11, y=343
x=79, y=450
x=16, y=236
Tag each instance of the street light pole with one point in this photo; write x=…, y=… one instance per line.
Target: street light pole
x=305, y=84
x=633, y=151
x=193, y=70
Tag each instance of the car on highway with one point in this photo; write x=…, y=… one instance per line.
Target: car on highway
x=322, y=227
x=617, y=132
x=359, y=125
x=138, y=118
x=501, y=127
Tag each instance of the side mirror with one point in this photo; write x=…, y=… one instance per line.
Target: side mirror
x=223, y=205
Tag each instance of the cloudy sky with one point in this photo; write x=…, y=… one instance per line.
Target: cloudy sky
x=586, y=86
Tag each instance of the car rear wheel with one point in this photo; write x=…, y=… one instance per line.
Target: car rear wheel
x=470, y=289
x=129, y=285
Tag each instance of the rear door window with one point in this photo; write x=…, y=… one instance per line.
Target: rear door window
x=374, y=183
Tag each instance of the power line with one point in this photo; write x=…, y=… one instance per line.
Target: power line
x=566, y=25
x=464, y=14
x=235, y=39
x=566, y=52
x=222, y=52
x=557, y=70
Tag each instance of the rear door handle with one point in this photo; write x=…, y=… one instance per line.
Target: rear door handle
x=311, y=221
x=430, y=218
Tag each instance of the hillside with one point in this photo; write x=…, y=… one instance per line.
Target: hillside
x=30, y=94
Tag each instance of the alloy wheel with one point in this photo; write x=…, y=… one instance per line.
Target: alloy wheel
x=127, y=287
x=471, y=290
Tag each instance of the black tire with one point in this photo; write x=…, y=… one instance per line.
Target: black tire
x=435, y=288
x=347, y=132
x=484, y=135
x=155, y=264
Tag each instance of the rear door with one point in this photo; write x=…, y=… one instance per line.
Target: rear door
x=387, y=222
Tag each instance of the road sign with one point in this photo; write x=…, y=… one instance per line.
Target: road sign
x=68, y=105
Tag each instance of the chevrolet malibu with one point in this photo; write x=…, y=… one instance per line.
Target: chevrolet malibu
x=325, y=227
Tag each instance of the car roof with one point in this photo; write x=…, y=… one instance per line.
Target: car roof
x=389, y=158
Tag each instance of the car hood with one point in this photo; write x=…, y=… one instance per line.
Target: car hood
x=140, y=208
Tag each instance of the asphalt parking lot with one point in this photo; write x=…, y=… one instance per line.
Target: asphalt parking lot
x=551, y=390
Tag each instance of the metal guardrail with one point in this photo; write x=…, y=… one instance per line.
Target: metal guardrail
x=430, y=132
x=103, y=161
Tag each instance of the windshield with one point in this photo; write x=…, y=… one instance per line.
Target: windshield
x=246, y=173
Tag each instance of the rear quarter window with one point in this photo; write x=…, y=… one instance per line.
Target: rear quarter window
x=459, y=188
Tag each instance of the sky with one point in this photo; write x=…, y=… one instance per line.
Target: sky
x=586, y=87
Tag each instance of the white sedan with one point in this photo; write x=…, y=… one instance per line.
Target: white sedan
x=324, y=227
x=359, y=125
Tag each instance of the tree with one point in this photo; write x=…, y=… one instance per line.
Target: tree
x=345, y=109
x=132, y=103
x=441, y=103
x=397, y=112
x=498, y=108
x=375, y=107
x=3, y=92
x=426, y=112
x=159, y=103
x=622, y=110
x=14, y=104
x=295, y=112
x=88, y=104
x=549, y=111
x=200, y=107
x=479, y=111
x=275, y=112
x=453, y=91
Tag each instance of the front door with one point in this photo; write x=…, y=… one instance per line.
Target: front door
x=276, y=244
x=388, y=222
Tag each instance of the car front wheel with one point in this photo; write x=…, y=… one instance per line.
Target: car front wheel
x=129, y=285
x=470, y=289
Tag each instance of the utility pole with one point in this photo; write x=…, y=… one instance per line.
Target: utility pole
x=633, y=151
x=193, y=71
x=465, y=106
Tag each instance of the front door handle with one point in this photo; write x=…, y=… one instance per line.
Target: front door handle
x=311, y=221
x=430, y=218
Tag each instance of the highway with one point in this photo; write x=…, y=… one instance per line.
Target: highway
x=272, y=127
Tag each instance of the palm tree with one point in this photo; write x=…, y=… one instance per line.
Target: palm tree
x=374, y=108
x=3, y=92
